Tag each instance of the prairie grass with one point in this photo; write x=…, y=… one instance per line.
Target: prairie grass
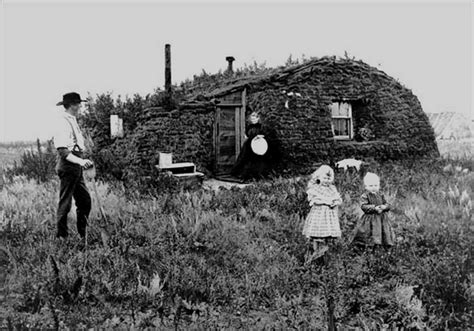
x=235, y=258
x=457, y=149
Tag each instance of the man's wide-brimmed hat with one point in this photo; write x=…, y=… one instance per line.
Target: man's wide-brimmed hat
x=70, y=99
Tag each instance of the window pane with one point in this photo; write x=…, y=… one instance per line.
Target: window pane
x=341, y=127
x=334, y=108
x=340, y=109
x=345, y=109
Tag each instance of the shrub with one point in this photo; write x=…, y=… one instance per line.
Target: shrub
x=39, y=165
x=110, y=155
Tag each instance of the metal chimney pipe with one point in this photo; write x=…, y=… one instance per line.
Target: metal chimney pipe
x=168, y=69
x=230, y=59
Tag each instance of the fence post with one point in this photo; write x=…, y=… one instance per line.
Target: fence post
x=2, y=179
x=329, y=297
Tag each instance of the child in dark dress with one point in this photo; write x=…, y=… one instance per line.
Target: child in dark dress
x=374, y=228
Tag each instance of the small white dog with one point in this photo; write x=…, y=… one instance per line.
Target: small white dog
x=349, y=163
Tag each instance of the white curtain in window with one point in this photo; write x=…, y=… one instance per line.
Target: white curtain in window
x=341, y=109
x=335, y=108
x=345, y=109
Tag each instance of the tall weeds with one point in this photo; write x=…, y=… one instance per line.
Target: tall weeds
x=36, y=164
x=235, y=258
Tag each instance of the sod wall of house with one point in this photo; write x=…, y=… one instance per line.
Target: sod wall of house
x=187, y=132
x=301, y=131
x=392, y=112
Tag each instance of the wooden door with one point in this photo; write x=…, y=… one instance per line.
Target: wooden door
x=229, y=133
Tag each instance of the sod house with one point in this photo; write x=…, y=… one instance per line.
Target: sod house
x=320, y=111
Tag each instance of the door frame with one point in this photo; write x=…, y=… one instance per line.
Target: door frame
x=240, y=109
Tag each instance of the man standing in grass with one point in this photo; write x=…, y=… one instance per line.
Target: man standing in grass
x=69, y=143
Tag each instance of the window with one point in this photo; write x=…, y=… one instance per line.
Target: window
x=341, y=113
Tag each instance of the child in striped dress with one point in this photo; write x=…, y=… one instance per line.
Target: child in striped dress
x=322, y=222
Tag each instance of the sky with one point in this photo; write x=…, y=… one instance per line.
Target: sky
x=49, y=48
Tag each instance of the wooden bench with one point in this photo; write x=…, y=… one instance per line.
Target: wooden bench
x=185, y=172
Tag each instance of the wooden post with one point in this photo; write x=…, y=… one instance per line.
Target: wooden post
x=216, y=140
x=168, y=73
x=2, y=179
x=243, y=116
x=331, y=318
x=329, y=296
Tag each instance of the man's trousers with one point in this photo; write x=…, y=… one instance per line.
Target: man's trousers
x=73, y=186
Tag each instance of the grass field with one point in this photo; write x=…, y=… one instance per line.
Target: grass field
x=11, y=152
x=235, y=258
x=8, y=158
x=457, y=149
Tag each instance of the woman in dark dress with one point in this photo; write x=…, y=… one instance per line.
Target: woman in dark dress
x=250, y=165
